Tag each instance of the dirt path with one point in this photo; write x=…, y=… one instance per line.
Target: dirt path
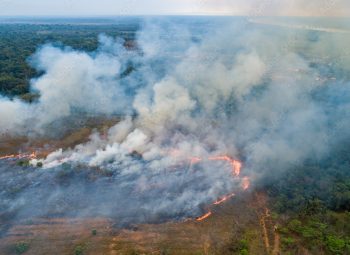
x=264, y=229
x=276, y=244
x=270, y=236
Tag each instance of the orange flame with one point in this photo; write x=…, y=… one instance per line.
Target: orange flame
x=204, y=216
x=8, y=156
x=19, y=156
x=236, y=171
x=245, y=183
x=236, y=165
x=224, y=199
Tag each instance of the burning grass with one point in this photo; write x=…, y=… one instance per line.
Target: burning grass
x=210, y=233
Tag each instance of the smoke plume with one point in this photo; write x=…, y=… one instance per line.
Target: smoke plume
x=269, y=97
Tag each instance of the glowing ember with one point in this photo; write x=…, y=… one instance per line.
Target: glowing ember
x=195, y=160
x=245, y=183
x=174, y=152
x=204, y=216
x=236, y=167
x=224, y=199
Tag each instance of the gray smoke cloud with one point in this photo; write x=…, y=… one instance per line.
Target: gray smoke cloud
x=269, y=97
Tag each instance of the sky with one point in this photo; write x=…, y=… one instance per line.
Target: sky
x=174, y=7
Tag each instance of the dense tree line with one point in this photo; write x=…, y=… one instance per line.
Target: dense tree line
x=314, y=204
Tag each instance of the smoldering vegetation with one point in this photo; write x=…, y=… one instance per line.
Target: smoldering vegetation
x=270, y=97
x=80, y=191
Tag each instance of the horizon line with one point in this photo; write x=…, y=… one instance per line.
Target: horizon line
x=167, y=15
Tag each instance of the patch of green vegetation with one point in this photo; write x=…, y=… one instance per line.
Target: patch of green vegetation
x=21, y=247
x=23, y=163
x=94, y=232
x=283, y=230
x=329, y=232
x=295, y=226
x=243, y=244
x=239, y=247
x=79, y=250
x=288, y=242
x=335, y=244
x=243, y=252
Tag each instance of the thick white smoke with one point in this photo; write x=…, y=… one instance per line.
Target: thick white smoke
x=259, y=96
x=72, y=82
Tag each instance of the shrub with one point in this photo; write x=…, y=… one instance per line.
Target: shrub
x=243, y=244
x=21, y=247
x=335, y=245
x=310, y=233
x=243, y=252
x=243, y=247
x=283, y=230
x=288, y=242
x=295, y=226
x=78, y=250
x=23, y=163
x=94, y=232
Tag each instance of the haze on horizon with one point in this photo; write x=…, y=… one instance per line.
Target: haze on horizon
x=175, y=7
